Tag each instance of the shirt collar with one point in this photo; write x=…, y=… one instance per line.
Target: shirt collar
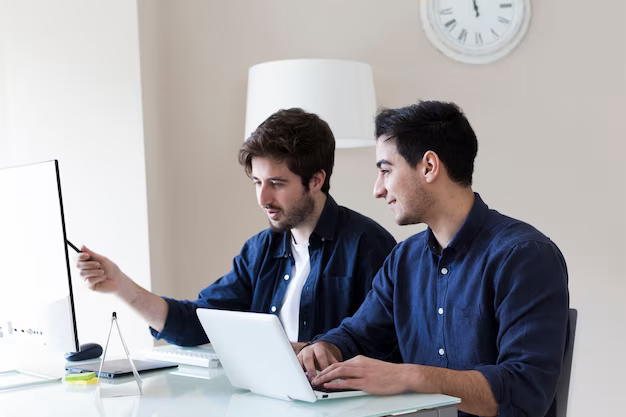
x=470, y=228
x=325, y=229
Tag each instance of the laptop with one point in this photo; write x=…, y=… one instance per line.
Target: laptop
x=256, y=355
x=118, y=367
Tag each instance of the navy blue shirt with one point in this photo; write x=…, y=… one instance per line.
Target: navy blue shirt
x=495, y=300
x=346, y=250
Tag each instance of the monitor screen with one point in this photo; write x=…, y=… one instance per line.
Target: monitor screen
x=36, y=302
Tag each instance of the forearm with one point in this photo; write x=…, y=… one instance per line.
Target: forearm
x=470, y=386
x=152, y=308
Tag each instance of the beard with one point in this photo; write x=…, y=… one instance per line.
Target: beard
x=294, y=216
x=416, y=205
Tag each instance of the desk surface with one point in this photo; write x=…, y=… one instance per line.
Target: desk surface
x=206, y=393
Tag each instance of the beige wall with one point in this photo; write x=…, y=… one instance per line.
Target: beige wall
x=549, y=120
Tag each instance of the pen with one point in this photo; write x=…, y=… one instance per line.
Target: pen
x=72, y=246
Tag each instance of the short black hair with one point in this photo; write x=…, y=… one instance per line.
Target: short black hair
x=432, y=126
x=303, y=140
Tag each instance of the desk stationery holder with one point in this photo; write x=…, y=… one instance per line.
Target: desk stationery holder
x=110, y=392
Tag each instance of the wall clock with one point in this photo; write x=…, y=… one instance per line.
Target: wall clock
x=475, y=31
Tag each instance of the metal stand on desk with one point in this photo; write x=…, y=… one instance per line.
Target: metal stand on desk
x=132, y=364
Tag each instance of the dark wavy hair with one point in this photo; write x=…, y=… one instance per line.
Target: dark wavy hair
x=432, y=126
x=302, y=140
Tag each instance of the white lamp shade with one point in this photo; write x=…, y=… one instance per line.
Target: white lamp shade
x=340, y=92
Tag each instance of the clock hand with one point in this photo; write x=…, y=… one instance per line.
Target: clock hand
x=476, y=8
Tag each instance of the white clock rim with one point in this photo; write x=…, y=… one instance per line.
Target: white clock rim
x=486, y=56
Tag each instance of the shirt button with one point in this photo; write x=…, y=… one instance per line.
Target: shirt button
x=444, y=271
x=273, y=309
x=441, y=352
x=286, y=277
x=323, y=239
x=304, y=322
x=440, y=311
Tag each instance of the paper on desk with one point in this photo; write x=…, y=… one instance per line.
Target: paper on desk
x=11, y=379
x=18, y=379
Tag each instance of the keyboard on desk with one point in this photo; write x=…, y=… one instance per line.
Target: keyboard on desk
x=203, y=355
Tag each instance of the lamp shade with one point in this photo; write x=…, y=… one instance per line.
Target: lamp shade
x=340, y=92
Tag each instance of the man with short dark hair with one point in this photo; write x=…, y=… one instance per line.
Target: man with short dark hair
x=312, y=267
x=477, y=303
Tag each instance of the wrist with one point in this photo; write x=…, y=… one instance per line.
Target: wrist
x=298, y=346
x=408, y=375
x=127, y=290
x=420, y=378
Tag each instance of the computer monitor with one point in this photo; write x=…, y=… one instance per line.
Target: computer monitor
x=36, y=300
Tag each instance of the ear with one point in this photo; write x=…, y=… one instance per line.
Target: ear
x=430, y=166
x=317, y=180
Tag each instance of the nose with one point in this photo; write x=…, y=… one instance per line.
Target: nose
x=379, y=188
x=264, y=195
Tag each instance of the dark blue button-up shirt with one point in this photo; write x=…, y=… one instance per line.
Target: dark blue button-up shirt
x=346, y=250
x=495, y=300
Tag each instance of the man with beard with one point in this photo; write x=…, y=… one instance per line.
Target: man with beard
x=312, y=267
x=477, y=303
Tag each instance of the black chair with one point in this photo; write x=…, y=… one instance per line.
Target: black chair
x=562, y=389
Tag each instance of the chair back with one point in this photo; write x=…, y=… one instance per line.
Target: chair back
x=562, y=389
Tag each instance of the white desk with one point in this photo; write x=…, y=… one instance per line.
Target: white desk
x=168, y=393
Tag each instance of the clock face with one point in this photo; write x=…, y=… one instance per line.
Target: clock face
x=475, y=31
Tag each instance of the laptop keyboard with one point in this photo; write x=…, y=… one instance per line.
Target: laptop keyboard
x=321, y=388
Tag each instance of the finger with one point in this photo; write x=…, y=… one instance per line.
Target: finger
x=325, y=372
x=89, y=265
x=83, y=256
x=93, y=283
x=95, y=279
x=339, y=371
x=343, y=384
x=308, y=360
x=89, y=273
x=354, y=383
x=93, y=255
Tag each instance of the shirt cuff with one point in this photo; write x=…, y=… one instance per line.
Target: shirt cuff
x=495, y=377
x=172, y=317
x=347, y=352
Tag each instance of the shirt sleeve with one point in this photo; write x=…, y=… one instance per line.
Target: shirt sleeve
x=231, y=292
x=370, y=331
x=531, y=309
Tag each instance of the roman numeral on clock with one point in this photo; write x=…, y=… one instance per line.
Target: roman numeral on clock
x=462, y=36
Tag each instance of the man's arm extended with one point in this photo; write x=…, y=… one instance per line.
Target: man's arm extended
x=102, y=275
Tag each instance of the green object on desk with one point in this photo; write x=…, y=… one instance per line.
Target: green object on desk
x=80, y=377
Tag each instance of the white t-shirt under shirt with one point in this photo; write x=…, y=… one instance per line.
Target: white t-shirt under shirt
x=290, y=311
